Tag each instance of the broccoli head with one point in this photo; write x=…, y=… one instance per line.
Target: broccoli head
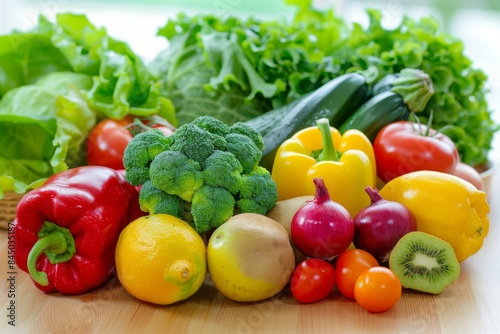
x=258, y=192
x=222, y=169
x=154, y=200
x=245, y=150
x=211, y=207
x=176, y=174
x=140, y=152
x=203, y=173
x=247, y=130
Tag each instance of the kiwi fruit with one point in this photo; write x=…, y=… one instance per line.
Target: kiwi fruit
x=424, y=262
x=250, y=257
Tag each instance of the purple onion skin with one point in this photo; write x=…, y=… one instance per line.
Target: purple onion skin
x=379, y=226
x=322, y=228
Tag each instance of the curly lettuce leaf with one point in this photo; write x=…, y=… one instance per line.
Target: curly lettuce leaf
x=459, y=101
x=235, y=69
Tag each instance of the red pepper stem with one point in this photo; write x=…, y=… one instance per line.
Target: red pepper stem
x=374, y=194
x=329, y=153
x=56, y=243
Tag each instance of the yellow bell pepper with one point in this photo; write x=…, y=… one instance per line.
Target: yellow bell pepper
x=346, y=164
x=444, y=206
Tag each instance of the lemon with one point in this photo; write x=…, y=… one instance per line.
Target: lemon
x=250, y=257
x=160, y=259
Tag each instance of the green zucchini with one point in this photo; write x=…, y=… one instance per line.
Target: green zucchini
x=335, y=100
x=393, y=99
x=374, y=114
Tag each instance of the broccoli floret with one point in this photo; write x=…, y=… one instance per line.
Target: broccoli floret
x=212, y=125
x=246, y=130
x=245, y=151
x=176, y=174
x=139, y=153
x=258, y=193
x=196, y=143
x=154, y=200
x=211, y=207
x=222, y=169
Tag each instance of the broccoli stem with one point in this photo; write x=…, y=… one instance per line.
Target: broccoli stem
x=329, y=153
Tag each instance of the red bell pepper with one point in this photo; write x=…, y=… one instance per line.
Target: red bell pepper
x=66, y=230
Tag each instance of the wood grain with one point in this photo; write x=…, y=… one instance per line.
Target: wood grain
x=470, y=305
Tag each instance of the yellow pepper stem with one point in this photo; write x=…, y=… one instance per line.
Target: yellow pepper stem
x=329, y=153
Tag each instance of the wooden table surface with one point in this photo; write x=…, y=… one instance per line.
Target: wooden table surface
x=470, y=305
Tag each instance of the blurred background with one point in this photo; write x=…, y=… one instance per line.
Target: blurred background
x=476, y=23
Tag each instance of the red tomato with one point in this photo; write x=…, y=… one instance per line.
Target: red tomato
x=312, y=280
x=350, y=264
x=165, y=129
x=468, y=173
x=377, y=289
x=403, y=147
x=107, y=142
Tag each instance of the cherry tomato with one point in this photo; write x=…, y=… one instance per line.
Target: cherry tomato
x=377, y=289
x=350, y=264
x=312, y=280
x=468, y=173
x=403, y=147
x=107, y=141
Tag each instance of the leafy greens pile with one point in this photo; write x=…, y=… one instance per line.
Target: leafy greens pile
x=56, y=81
x=234, y=69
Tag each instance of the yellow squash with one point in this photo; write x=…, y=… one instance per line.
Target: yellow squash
x=444, y=206
x=346, y=164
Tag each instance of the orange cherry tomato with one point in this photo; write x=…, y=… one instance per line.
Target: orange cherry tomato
x=350, y=264
x=377, y=289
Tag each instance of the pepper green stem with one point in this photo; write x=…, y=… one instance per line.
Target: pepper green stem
x=56, y=243
x=329, y=153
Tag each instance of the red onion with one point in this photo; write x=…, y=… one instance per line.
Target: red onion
x=379, y=226
x=322, y=228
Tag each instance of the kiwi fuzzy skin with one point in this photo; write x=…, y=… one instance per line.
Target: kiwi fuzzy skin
x=424, y=262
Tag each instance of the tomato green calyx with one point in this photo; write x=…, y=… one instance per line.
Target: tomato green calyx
x=56, y=243
x=418, y=127
x=143, y=124
x=329, y=153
